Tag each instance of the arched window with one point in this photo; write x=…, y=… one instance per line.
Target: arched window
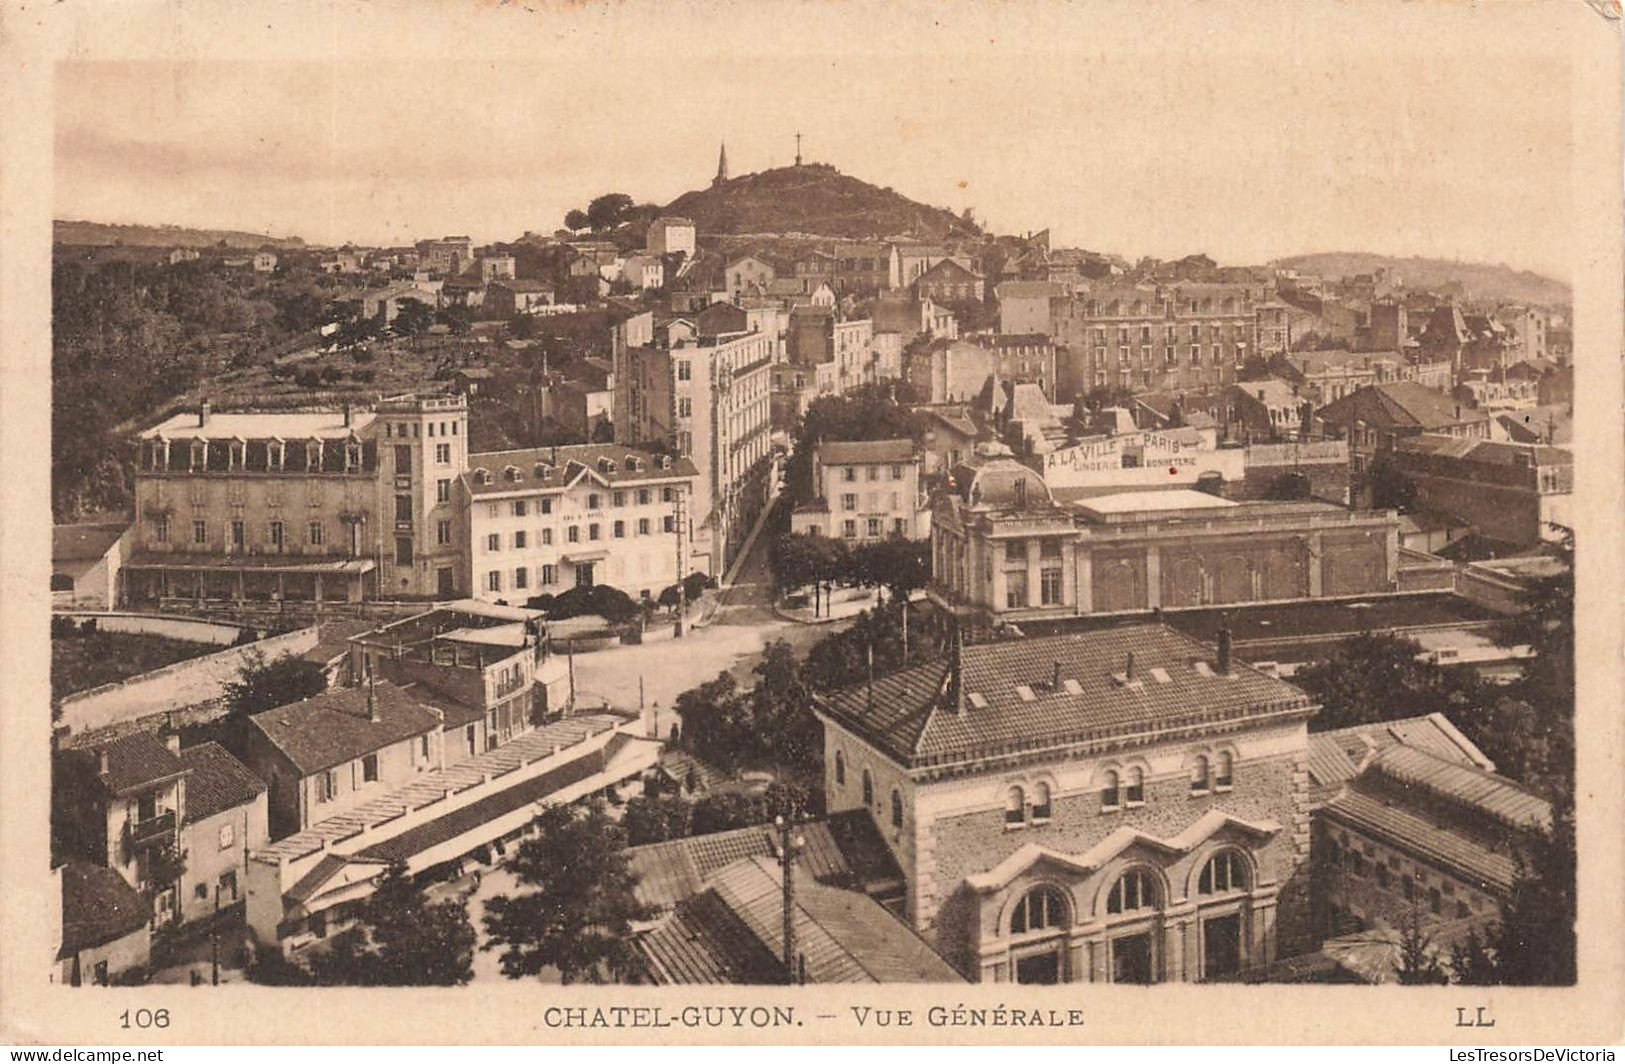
x=61, y=582
x=840, y=769
x=1225, y=871
x=896, y=808
x=1041, y=803
x=868, y=789
x=1110, y=793
x=1134, y=793
x=1222, y=772
x=1015, y=806
x=1039, y=909
x=1134, y=891
x=1200, y=781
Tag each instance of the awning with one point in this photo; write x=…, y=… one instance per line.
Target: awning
x=586, y=556
x=265, y=563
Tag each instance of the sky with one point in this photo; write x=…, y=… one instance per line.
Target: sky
x=1394, y=128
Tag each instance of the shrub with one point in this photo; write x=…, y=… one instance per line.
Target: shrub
x=63, y=627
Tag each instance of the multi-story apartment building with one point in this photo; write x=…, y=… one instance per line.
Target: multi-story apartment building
x=449, y=255
x=710, y=399
x=671, y=236
x=867, y=490
x=259, y=506
x=422, y=447
x=1171, y=337
x=1118, y=806
x=545, y=520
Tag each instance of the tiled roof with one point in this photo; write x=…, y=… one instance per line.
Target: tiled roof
x=217, y=782
x=428, y=788
x=844, y=452
x=1335, y=757
x=1029, y=290
x=1465, y=785
x=334, y=727
x=1489, y=452
x=734, y=932
x=913, y=719
x=98, y=907
x=1421, y=838
x=565, y=464
x=137, y=760
x=671, y=871
x=1401, y=404
x=71, y=543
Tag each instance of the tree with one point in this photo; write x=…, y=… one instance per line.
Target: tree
x=1254, y=368
x=1418, y=966
x=1534, y=943
x=1472, y=963
x=576, y=220
x=400, y=938
x=781, y=709
x=458, y=318
x=577, y=916
x=607, y=210
x=897, y=564
x=1390, y=488
x=265, y=685
x=412, y=317
x=656, y=818
x=1378, y=676
x=716, y=722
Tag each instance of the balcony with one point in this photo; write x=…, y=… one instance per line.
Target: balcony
x=156, y=829
x=505, y=687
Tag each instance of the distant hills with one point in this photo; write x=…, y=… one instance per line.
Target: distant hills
x=816, y=199
x=100, y=234
x=1481, y=281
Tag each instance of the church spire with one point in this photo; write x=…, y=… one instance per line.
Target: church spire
x=722, y=166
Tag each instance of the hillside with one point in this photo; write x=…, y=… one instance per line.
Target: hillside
x=1482, y=281
x=816, y=199
x=100, y=234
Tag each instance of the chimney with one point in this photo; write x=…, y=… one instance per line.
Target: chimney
x=1224, y=650
x=349, y=416
x=1055, y=679
x=172, y=739
x=101, y=761
x=956, y=672
x=203, y=413
x=1128, y=667
x=372, y=697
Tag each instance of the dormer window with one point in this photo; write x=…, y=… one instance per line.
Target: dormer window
x=511, y=473
x=633, y=465
x=606, y=465
x=539, y=471
x=482, y=476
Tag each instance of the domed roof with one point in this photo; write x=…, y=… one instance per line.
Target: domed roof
x=1002, y=484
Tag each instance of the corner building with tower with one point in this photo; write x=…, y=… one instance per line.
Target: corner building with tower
x=1122, y=806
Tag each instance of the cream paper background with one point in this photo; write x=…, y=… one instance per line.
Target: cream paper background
x=1576, y=36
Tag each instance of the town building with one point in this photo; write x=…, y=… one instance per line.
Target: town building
x=948, y=282
x=1186, y=336
x=710, y=400
x=1513, y=494
x=910, y=317
x=490, y=671
x=1026, y=307
x=334, y=751
x=105, y=926
x=643, y=272
x=497, y=268
x=747, y=275
x=861, y=268
x=670, y=236
x=302, y=886
x=223, y=819
x=1388, y=327
x=1373, y=418
x=1325, y=376
x=545, y=520
x=87, y=562
x=956, y=370
x=1121, y=805
x=1004, y=548
x=506, y=298
x=1422, y=829
x=866, y=490
x=448, y=256
x=264, y=262
x=907, y=262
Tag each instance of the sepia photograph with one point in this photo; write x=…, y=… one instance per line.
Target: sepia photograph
x=642, y=498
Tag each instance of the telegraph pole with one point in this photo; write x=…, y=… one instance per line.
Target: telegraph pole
x=789, y=848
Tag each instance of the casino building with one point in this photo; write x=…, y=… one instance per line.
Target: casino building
x=1004, y=549
x=1121, y=805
